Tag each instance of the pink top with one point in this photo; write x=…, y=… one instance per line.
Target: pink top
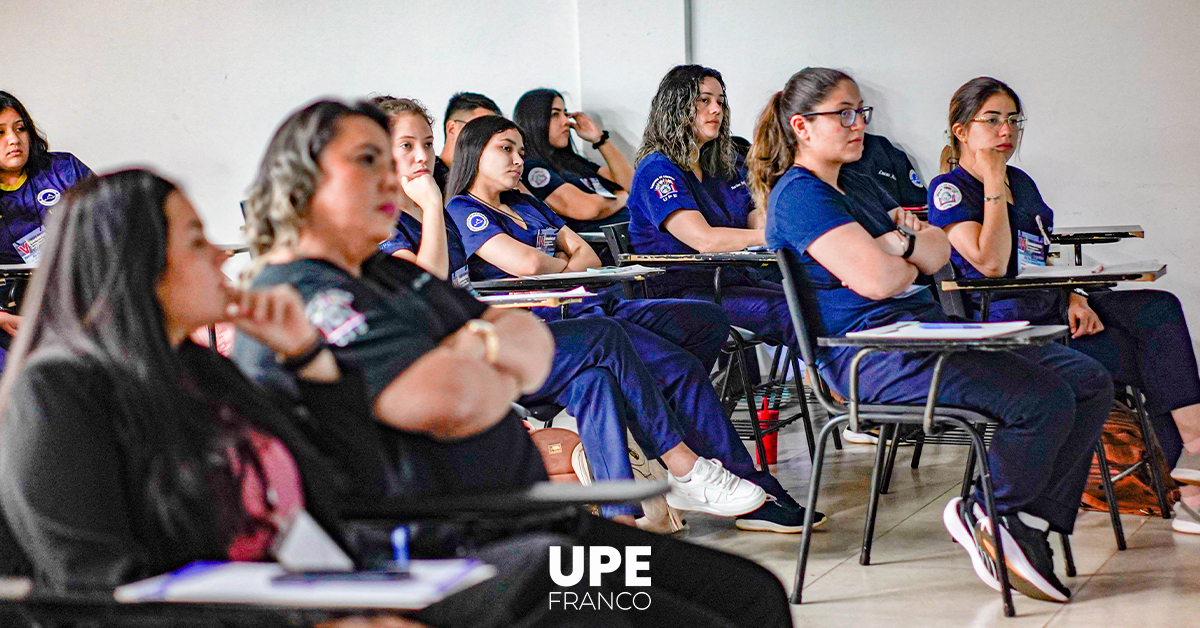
x=270, y=501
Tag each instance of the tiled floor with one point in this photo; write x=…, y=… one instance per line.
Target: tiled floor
x=919, y=577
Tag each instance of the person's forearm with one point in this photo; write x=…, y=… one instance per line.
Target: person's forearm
x=931, y=251
x=526, y=347
x=995, y=237
x=470, y=396
x=433, y=254
x=727, y=239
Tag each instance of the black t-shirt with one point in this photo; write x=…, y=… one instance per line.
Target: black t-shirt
x=891, y=169
x=381, y=323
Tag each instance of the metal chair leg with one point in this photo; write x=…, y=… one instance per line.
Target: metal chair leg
x=890, y=465
x=968, y=474
x=918, y=449
x=979, y=451
x=805, y=414
x=1068, y=555
x=885, y=431
x=1110, y=495
x=1153, y=453
x=752, y=410
x=814, y=487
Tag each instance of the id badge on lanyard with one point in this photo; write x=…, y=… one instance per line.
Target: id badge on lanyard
x=599, y=188
x=29, y=247
x=547, y=239
x=1031, y=250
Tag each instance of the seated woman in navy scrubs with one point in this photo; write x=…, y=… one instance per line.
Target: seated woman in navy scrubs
x=1051, y=402
x=596, y=195
x=689, y=195
x=32, y=181
x=596, y=373
x=507, y=233
x=995, y=219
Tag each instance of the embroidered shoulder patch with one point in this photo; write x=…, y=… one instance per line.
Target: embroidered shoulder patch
x=48, y=197
x=539, y=177
x=946, y=195
x=477, y=222
x=912, y=176
x=664, y=187
x=332, y=311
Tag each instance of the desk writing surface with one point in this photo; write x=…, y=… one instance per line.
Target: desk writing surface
x=1030, y=336
x=753, y=258
x=1031, y=282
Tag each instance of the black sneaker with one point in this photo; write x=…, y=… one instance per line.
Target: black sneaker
x=1028, y=556
x=962, y=526
x=780, y=514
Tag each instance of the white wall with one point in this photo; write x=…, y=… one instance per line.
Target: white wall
x=195, y=87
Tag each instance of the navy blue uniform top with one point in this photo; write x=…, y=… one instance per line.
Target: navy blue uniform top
x=23, y=210
x=891, y=169
x=440, y=173
x=408, y=238
x=542, y=179
x=803, y=208
x=477, y=223
x=957, y=196
x=661, y=188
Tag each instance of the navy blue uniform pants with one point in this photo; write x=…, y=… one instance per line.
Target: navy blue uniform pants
x=1051, y=403
x=1146, y=343
x=660, y=393
x=749, y=302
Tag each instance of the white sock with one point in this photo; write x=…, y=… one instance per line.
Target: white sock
x=1033, y=521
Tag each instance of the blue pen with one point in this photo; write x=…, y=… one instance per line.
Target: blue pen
x=400, y=548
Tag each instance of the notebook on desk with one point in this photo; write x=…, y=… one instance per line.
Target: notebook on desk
x=429, y=581
x=916, y=330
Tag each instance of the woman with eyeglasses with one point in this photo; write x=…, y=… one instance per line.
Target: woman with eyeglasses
x=689, y=195
x=596, y=194
x=997, y=222
x=1050, y=402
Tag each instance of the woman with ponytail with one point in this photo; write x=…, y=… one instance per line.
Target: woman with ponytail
x=995, y=219
x=860, y=255
x=689, y=195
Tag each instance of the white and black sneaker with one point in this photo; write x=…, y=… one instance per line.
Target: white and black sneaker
x=961, y=523
x=1027, y=554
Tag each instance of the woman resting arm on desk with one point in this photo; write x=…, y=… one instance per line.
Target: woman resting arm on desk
x=1050, y=402
x=996, y=221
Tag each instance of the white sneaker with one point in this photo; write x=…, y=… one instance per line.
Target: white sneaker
x=860, y=438
x=710, y=488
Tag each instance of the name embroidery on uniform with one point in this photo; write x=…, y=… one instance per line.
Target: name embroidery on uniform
x=739, y=184
x=332, y=311
x=912, y=176
x=477, y=222
x=48, y=197
x=887, y=174
x=664, y=186
x=946, y=195
x=539, y=177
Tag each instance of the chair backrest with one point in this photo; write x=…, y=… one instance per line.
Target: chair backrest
x=617, y=237
x=952, y=301
x=802, y=306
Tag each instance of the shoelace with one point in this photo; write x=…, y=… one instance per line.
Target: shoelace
x=718, y=477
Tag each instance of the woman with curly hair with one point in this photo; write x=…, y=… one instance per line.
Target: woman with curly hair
x=689, y=195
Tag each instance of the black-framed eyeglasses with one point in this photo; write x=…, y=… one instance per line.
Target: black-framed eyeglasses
x=994, y=122
x=846, y=116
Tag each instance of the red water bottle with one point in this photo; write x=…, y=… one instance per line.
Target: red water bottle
x=766, y=419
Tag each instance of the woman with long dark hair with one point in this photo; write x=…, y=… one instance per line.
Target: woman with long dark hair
x=507, y=233
x=32, y=181
x=596, y=194
x=441, y=368
x=126, y=450
x=1050, y=402
x=689, y=195
x=996, y=220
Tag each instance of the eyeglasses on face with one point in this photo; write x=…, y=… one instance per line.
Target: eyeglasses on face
x=994, y=122
x=846, y=116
